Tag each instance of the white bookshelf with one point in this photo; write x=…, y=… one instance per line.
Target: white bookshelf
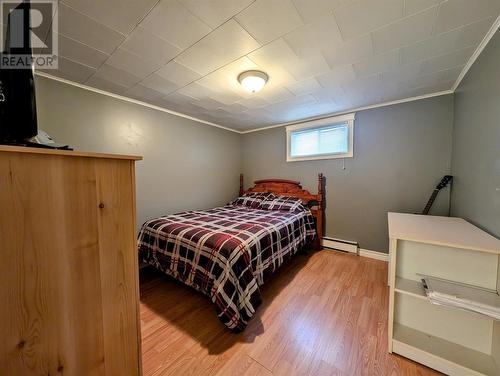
x=450, y=340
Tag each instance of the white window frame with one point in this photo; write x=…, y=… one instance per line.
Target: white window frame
x=348, y=118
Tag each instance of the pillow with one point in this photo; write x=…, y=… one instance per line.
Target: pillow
x=252, y=199
x=285, y=203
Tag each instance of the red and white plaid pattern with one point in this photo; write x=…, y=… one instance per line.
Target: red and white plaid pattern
x=285, y=203
x=252, y=199
x=225, y=252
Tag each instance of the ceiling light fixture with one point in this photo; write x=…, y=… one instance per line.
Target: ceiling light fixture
x=253, y=80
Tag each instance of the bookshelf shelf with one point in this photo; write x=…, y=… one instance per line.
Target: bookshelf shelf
x=450, y=340
x=409, y=287
x=453, y=358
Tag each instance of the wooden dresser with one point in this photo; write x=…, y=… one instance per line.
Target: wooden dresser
x=69, y=293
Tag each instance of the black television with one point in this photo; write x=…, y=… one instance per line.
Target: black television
x=18, y=119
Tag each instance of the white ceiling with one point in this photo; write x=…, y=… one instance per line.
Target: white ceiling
x=322, y=56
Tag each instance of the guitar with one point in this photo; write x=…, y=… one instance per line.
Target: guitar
x=442, y=184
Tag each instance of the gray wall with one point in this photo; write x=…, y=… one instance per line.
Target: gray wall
x=476, y=142
x=400, y=154
x=187, y=165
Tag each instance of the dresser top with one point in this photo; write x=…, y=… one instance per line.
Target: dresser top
x=445, y=231
x=69, y=153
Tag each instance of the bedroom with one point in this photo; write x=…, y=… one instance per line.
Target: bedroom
x=400, y=93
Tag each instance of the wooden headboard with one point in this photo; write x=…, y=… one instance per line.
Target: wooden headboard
x=293, y=188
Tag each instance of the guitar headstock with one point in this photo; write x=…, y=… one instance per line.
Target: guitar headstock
x=444, y=181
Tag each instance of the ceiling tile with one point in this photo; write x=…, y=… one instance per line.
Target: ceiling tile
x=212, y=104
x=81, y=53
x=443, y=62
x=178, y=73
x=456, y=39
x=71, y=70
x=273, y=53
x=132, y=63
x=120, y=15
x=267, y=20
x=85, y=30
x=434, y=78
x=313, y=65
x=361, y=85
x=141, y=92
x=117, y=76
x=223, y=45
x=234, y=108
x=385, y=91
x=225, y=96
x=150, y=47
x=178, y=100
x=473, y=34
x=312, y=110
x=336, y=76
x=253, y=102
x=404, y=32
x=311, y=38
x=350, y=52
x=296, y=108
x=274, y=95
x=377, y=63
x=174, y=23
x=403, y=72
x=329, y=94
x=362, y=16
x=159, y=84
x=304, y=87
x=456, y=13
x=196, y=91
x=311, y=10
x=100, y=83
x=415, y=6
x=285, y=106
x=215, y=12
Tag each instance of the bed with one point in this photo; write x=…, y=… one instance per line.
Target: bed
x=228, y=252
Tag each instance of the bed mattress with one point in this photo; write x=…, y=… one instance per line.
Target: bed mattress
x=226, y=252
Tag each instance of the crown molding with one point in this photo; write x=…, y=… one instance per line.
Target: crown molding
x=135, y=101
x=383, y=104
x=493, y=29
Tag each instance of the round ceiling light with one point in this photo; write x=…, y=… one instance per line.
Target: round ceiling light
x=253, y=80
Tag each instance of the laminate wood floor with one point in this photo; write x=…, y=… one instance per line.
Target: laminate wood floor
x=323, y=314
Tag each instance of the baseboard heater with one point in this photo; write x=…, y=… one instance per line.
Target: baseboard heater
x=341, y=245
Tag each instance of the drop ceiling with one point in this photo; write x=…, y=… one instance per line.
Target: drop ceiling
x=322, y=56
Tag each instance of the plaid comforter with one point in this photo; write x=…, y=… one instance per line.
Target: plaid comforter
x=226, y=252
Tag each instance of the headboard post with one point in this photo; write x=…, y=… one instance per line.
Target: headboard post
x=320, y=189
x=241, y=185
x=320, y=213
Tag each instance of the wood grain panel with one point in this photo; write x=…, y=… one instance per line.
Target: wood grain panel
x=68, y=296
x=119, y=266
x=53, y=321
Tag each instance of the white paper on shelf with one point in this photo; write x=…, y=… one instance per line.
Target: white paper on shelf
x=455, y=294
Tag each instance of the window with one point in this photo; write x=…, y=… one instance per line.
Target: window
x=320, y=139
